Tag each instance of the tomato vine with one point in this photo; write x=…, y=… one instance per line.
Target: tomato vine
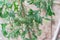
x=22, y=22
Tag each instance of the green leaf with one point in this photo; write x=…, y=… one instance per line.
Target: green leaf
x=38, y=18
x=30, y=1
x=5, y=1
x=34, y=37
x=1, y=3
x=4, y=29
x=23, y=20
x=22, y=1
x=9, y=5
x=15, y=6
x=23, y=34
x=49, y=10
x=17, y=22
x=30, y=19
x=26, y=39
x=12, y=14
x=30, y=16
x=5, y=15
x=3, y=25
x=30, y=12
x=37, y=3
x=44, y=5
x=1, y=11
x=15, y=33
x=39, y=32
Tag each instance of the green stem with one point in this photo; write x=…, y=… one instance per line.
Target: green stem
x=29, y=33
x=23, y=10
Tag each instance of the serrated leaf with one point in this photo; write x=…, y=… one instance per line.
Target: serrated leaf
x=30, y=12
x=9, y=5
x=39, y=32
x=15, y=6
x=3, y=25
x=30, y=1
x=23, y=34
x=5, y=1
x=12, y=14
x=1, y=11
x=34, y=37
x=17, y=22
x=14, y=34
x=26, y=39
x=49, y=10
x=5, y=15
x=22, y=1
x=1, y=3
x=37, y=3
x=38, y=18
x=4, y=29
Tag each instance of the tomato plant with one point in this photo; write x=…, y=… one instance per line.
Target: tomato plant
x=22, y=22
